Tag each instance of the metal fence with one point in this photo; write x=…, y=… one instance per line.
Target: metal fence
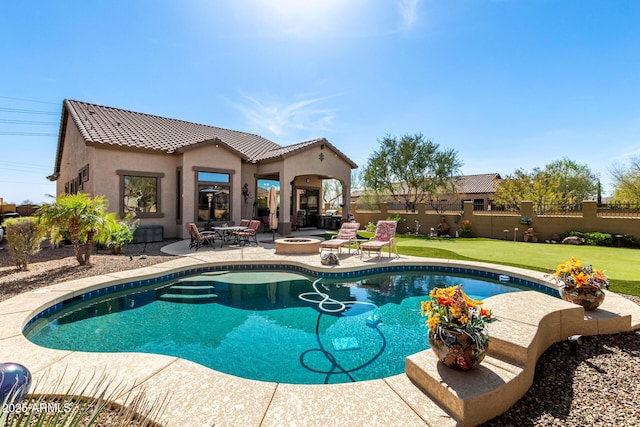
x=558, y=209
x=619, y=210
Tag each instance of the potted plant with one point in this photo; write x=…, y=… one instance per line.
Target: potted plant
x=457, y=327
x=581, y=284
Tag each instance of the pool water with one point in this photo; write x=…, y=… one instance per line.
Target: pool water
x=255, y=325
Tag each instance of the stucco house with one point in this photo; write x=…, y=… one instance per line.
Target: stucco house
x=479, y=188
x=170, y=172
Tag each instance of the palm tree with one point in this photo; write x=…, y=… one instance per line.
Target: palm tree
x=78, y=214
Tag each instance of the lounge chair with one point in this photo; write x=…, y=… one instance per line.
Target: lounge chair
x=199, y=238
x=383, y=237
x=250, y=234
x=346, y=236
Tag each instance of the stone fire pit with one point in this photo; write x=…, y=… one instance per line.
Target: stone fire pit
x=297, y=245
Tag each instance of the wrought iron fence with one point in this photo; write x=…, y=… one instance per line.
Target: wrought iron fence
x=497, y=210
x=444, y=207
x=401, y=206
x=558, y=209
x=619, y=210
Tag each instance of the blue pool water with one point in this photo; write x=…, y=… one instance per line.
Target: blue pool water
x=255, y=325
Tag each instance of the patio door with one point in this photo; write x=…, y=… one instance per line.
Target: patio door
x=308, y=204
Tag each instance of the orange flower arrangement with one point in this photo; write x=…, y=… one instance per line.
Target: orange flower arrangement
x=452, y=309
x=574, y=275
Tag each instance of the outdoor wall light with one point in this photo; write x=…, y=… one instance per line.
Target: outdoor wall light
x=574, y=342
x=307, y=180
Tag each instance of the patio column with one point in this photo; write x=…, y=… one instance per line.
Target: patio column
x=284, y=223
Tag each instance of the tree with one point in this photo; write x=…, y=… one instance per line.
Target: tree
x=561, y=182
x=412, y=169
x=80, y=216
x=24, y=236
x=575, y=182
x=331, y=192
x=626, y=181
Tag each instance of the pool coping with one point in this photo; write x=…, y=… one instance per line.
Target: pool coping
x=426, y=394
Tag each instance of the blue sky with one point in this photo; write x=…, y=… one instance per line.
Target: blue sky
x=508, y=84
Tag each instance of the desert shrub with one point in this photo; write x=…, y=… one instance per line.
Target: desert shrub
x=465, y=229
x=397, y=218
x=604, y=239
x=24, y=236
x=592, y=238
x=116, y=234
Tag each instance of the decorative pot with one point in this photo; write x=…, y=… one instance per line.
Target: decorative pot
x=457, y=349
x=590, y=297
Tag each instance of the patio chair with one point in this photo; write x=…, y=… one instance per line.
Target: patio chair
x=199, y=238
x=245, y=222
x=346, y=236
x=383, y=237
x=250, y=234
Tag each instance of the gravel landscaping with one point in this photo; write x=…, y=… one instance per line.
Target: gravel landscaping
x=597, y=386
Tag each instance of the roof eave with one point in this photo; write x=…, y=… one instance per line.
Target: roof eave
x=216, y=141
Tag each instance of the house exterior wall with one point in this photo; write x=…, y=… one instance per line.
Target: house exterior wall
x=75, y=156
x=248, y=175
x=209, y=158
x=107, y=182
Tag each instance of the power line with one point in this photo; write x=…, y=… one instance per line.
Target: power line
x=12, y=163
x=27, y=133
x=23, y=111
x=27, y=183
x=26, y=122
x=40, y=169
x=29, y=100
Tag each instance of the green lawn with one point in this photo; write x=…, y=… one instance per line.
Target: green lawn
x=621, y=265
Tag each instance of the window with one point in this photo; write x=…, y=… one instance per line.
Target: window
x=478, y=204
x=84, y=173
x=178, y=194
x=140, y=193
x=214, y=191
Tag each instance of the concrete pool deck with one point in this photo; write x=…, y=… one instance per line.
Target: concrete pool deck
x=427, y=394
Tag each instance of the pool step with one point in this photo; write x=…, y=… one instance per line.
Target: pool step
x=189, y=290
x=188, y=298
x=193, y=289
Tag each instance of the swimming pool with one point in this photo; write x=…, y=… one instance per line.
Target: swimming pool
x=253, y=324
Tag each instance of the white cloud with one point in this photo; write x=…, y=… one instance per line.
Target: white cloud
x=282, y=119
x=408, y=13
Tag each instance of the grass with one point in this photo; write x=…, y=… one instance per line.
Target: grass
x=620, y=264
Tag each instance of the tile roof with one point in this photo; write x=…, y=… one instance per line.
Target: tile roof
x=113, y=126
x=475, y=184
x=467, y=184
x=301, y=146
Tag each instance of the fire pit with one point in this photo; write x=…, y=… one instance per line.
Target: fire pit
x=297, y=245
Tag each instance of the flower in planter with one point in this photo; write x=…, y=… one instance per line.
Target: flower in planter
x=580, y=284
x=574, y=275
x=451, y=309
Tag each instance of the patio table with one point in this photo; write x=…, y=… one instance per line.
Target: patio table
x=225, y=233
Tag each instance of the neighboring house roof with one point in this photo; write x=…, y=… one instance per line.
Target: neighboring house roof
x=130, y=130
x=466, y=184
x=475, y=184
